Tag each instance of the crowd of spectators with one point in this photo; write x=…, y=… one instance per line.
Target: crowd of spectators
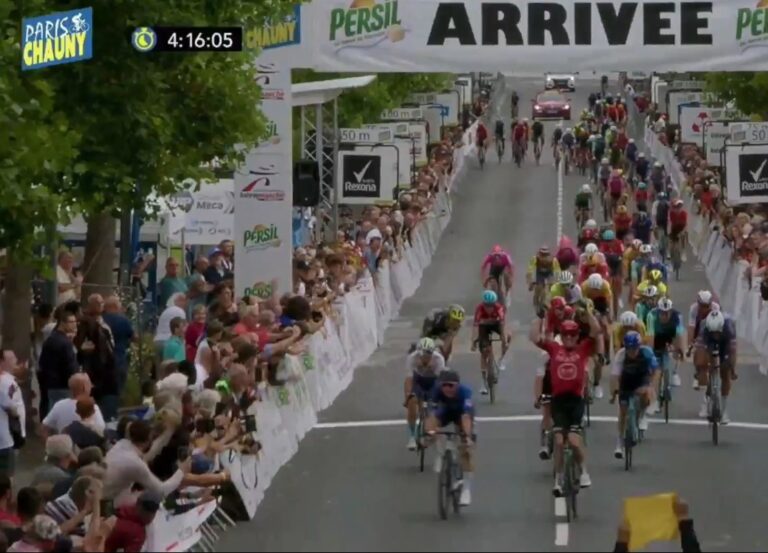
x=105, y=476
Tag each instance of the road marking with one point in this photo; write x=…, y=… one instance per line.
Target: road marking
x=534, y=418
x=561, y=534
x=560, y=510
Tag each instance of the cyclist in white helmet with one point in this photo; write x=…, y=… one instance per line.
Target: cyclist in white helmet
x=423, y=366
x=717, y=336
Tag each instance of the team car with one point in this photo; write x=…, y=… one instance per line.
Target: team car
x=551, y=104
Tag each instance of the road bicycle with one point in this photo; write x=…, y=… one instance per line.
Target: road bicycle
x=571, y=484
x=676, y=255
x=421, y=435
x=500, y=146
x=665, y=386
x=492, y=365
x=450, y=481
x=714, y=397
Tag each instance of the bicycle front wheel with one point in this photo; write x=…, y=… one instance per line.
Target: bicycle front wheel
x=493, y=372
x=571, y=485
x=444, y=485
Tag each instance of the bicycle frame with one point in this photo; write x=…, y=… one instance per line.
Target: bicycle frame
x=631, y=431
x=451, y=475
x=715, y=399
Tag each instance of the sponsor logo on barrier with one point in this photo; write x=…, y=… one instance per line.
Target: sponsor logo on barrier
x=260, y=187
x=57, y=38
x=276, y=32
x=266, y=73
x=366, y=23
x=753, y=174
x=261, y=290
x=362, y=176
x=752, y=26
x=261, y=237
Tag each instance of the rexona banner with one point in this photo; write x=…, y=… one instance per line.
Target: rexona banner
x=367, y=177
x=526, y=35
x=747, y=173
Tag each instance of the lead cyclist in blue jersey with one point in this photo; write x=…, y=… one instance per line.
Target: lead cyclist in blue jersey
x=664, y=328
x=718, y=334
x=451, y=403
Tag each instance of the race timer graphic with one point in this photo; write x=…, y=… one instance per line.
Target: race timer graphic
x=187, y=39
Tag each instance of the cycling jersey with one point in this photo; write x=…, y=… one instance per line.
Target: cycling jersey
x=497, y=263
x=722, y=343
x=416, y=368
x=661, y=212
x=519, y=132
x=494, y=313
x=583, y=200
x=644, y=285
x=631, y=152
x=601, y=297
x=642, y=230
x=619, y=331
x=537, y=130
x=655, y=265
x=568, y=140
x=499, y=129
x=569, y=292
x=642, y=167
x=567, y=368
x=678, y=219
x=557, y=135
x=586, y=270
x=664, y=333
x=634, y=372
x=481, y=134
x=698, y=313
x=543, y=270
x=435, y=324
x=613, y=251
x=642, y=309
x=450, y=410
x=598, y=147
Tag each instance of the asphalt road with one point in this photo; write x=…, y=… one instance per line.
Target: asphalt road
x=358, y=488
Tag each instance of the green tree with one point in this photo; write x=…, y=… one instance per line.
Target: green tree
x=37, y=147
x=150, y=121
x=746, y=89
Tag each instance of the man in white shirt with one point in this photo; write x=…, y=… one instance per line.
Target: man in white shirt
x=176, y=307
x=11, y=411
x=69, y=285
x=64, y=412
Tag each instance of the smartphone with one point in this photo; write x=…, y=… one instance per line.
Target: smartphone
x=250, y=423
x=107, y=508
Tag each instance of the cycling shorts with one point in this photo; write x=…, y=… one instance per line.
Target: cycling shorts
x=423, y=385
x=486, y=332
x=630, y=386
x=567, y=412
x=601, y=305
x=546, y=385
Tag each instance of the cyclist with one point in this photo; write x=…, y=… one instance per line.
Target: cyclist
x=642, y=167
x=642, y=195
x=499, y=132
x=559, y=311
x=647, y=301
x=565, y=287
x=696, y=314
x=567, y=255
x=442, y=325
x=630, y=153
x=595, y=263
x=678, y=223
x=589, y=233
x=452, y=403
x=634, y=370
x=519, y=136
x=665, y=328
x=497, y=264
x=622, y=222
x=489, y=319
x=423, y=366
x=642, y=227
x=541, y=271
x=655, y=278
x=718, y=332
x=537, y=137
x=660, y=213
x=630, y=254
x=583, y=205
x=481, y=137
x=658, y=177
x=557, y=136
x=568, y=375
x=568, y=141
x=604, y=173
x=597, y=146
x=616, y=187
x=598, y=291
x=613, y=250
x=628, y=322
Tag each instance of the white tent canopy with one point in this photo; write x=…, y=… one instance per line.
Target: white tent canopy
x=320, y=92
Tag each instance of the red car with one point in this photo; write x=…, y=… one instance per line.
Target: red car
x=551, y=104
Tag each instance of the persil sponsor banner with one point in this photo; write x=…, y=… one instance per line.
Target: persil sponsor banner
x=526, y=35
x=695, y=119
x=263, y=192
x=747, y=173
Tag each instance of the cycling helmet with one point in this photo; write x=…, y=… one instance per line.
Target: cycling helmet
x=595, y=281
x=715, y=321
x=426, y=346
x=566, y=277
x=651, y=292
x=637, y=244
x=622, y=209
x=544, y=250
x=449, y=377
x=665, y=304
x=568, y=312
x=456, y=312
x=590, y=224
x=704, y=297
x=631, y=140
x=641, y=154
x=632, y=340
x=557, y=302
x=662, y=196
x=658, y=165
x=569, y=328
x=497, y=249
x=490, y=297
x=642, y=185
x=609, y=235
x=590, y=249
x=677, y=203
x=614, y=128
x=586, y=189
x=628, y=318
x=604, y=161
x=646, y=249
x=568, y=130
x=655, y=275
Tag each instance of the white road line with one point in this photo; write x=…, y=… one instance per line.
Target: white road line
x=534, y=418
x=559, y=202
x=560, y=507
x=561, y=534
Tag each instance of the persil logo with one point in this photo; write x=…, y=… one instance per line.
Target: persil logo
x=752, y=26
x=366, y=23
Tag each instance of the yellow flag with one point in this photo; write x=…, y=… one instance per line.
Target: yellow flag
x=651, y=518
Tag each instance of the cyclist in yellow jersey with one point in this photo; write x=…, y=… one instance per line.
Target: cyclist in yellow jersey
x=654, y=279
x=564, y=287
x=630, y=254
x=628, y=322
x=542, y=269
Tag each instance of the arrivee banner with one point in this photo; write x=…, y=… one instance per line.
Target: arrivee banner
x=528, y=35
x=747, y=173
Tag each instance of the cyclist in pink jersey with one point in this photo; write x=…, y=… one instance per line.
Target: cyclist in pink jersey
x=498, y=264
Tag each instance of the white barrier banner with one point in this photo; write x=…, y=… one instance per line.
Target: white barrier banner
x=204, y=212
x=694, y=121
x=175, y=533
x=747, y=173
x=715, y=135
x=526, y=35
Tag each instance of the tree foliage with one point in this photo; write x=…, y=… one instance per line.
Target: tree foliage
x=749, y=91
x=389, y=90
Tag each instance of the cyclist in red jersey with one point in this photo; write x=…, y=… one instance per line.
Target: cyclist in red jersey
x=481, y=135
x=557, y=314
x=519, y=135
x=568, y=375
x=678, y=223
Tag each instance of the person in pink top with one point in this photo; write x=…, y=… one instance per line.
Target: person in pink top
x=567, y=254
x=498, y=264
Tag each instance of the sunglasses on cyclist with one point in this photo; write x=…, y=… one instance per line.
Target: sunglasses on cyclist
x=450, y=385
